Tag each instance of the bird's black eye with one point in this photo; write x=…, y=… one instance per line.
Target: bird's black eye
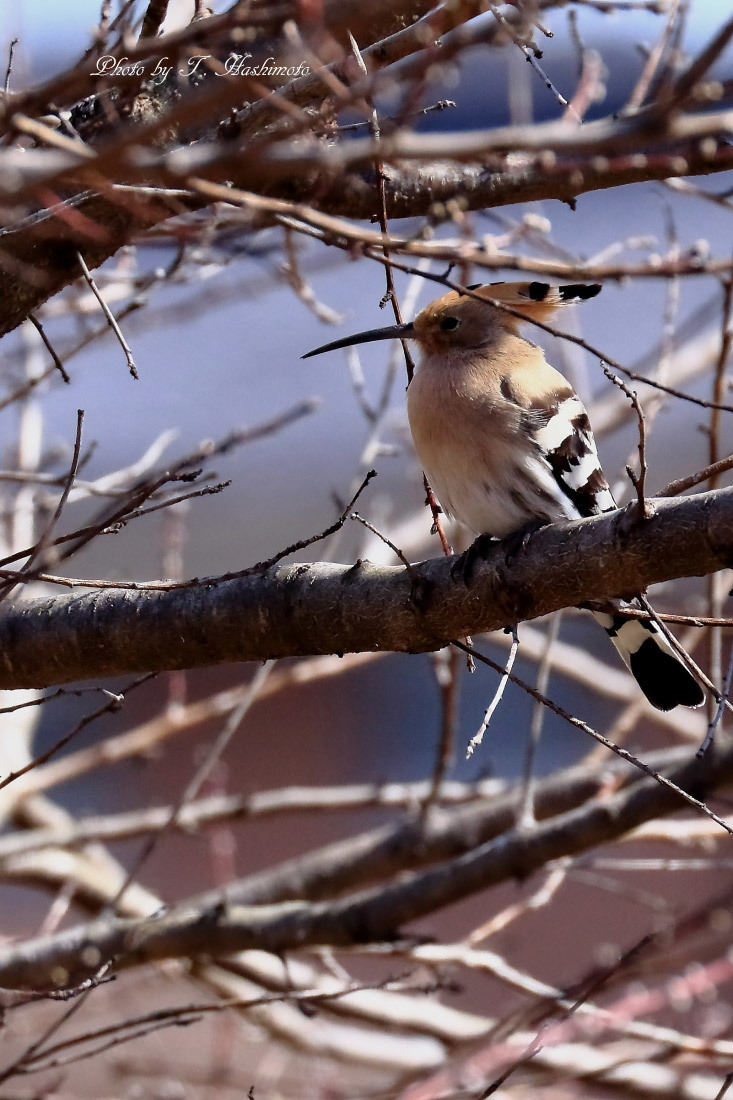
x=449, y=323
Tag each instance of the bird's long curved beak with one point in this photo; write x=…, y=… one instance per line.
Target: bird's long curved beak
x=391, y=332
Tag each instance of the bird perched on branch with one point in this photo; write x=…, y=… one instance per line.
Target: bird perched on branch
x=507, y=445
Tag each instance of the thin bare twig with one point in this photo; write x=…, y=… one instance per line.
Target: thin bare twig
x=9, y=69
x=720, y=710
x=34, y=1049
x=46, y=540
x=725, y=1086
x=177, y=1016
x=645, y=510
x=387, y=542
x=506, y=675
x=49, y=348
x=639, y=92
x=715, y=583
x=193, y=787
x=184, y=469
x=446, y=668
x=685, y=86
x=111, y=320
x=531, y=54
x=526, y=815
x=682, y=484
x=617, y=749
x=114, y=704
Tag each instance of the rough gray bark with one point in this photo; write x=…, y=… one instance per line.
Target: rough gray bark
x=307, y=609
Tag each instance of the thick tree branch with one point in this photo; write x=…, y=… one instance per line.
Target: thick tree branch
x=411, y=843
x=308, y=609
x=375, y=914
x=146, y=140
x=37, y=261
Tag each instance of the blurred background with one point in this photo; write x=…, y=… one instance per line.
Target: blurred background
x=222, y=351
x=218, y=348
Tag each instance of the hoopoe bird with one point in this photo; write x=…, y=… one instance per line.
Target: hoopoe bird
x=507, y=445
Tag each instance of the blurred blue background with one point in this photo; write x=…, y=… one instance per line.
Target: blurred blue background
x=207, y=369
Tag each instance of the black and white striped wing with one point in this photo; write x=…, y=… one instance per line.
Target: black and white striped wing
x=562, y=434
x=565, y=439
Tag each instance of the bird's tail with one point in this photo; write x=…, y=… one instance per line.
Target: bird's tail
x=657, y=669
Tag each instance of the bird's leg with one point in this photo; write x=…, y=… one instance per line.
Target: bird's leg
x=516, y=543
x=420, y=590
x=464, y=565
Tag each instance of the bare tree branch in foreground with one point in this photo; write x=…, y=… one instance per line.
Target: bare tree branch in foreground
x=326, y=608
x=299, y=866
x=372, y=916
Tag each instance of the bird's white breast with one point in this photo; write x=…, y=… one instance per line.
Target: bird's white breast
x=484, y=469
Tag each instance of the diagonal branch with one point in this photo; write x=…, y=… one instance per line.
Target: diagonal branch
x=375, y=914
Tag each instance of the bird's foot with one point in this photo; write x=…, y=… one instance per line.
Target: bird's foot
x=516, y=543
x=465, y=564
x=420, y=590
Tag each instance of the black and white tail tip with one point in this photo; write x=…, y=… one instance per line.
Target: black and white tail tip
x=655, y=666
